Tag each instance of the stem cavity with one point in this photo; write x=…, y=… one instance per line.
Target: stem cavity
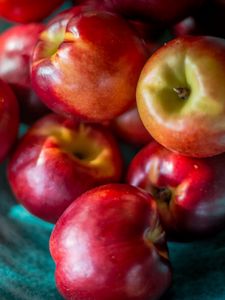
x=183, y=93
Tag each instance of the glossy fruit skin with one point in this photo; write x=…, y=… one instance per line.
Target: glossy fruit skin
x=160, y=11
x=129, y=128
x=91, y=69
x=9, y=119
x=191, y=203
x=16, y=48
x=103, y=248
x=198, y=65
x=57, y=160
x=25, y=11
x=188, y=26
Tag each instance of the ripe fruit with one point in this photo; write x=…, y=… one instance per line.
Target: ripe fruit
x=109, y=245
x=16, y=48
x=130, y=128
x=25, y=11
x=88, y=66
x=57, y=160
x=190, y=192
x=181, y=96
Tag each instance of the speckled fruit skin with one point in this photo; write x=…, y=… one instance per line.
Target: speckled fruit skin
x=160, y=11
x=109, y=245
x=89, y=67
x=194, y=125
x=9, y=119
x=57, y=160
x=25, y=11
x=129, y=128
x=195, y=205
x=16, y=48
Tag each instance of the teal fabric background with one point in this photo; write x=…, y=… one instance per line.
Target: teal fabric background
x=27, y=270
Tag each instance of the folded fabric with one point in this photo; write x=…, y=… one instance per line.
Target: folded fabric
x=27, y=270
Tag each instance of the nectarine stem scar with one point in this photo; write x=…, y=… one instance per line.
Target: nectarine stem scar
x=183, y=93
x=162, y=194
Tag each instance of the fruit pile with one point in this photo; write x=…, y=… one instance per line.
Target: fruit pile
x=146, y=73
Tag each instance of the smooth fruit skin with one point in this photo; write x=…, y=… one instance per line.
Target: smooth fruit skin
x=16, y=48
x=192, y=123
x=109, y=245
x=160, y=11
x=188, y=26
x=190, y=192
x=129, y=128
x=57, y=160
x=9, y=119
x=89, y=67
x=25, y=11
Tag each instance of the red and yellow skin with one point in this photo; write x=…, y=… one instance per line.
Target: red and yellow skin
x=16, y=48
x=130, y=128
x=158, y=11
x=88, y=68
x=57, y=160
x=189, y=192
x=9, y=119
x=181, y=96
x=25, y=11
x=109, y=245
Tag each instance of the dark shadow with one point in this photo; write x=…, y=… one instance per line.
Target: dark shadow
x=6, y=197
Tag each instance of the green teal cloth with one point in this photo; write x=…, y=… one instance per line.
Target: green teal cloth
x=27, y=270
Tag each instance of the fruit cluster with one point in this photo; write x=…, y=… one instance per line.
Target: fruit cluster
x=149, y=73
